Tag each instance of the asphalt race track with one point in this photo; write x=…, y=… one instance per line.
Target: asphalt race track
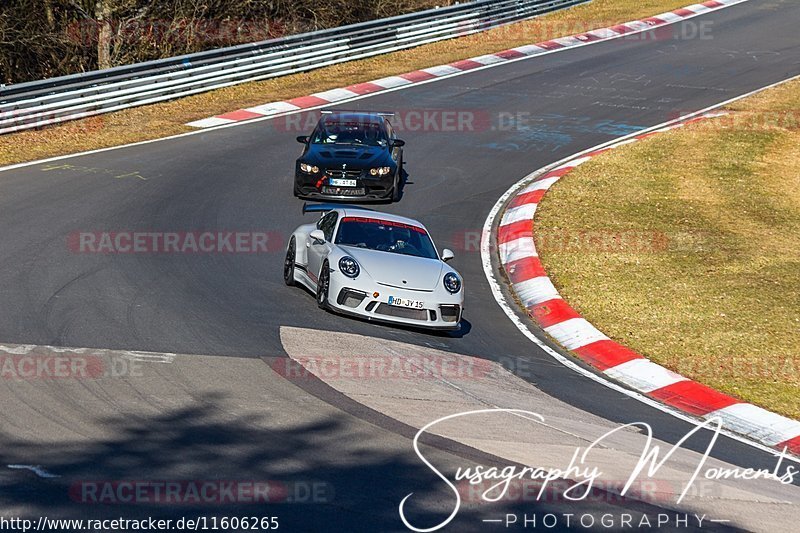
x=222, y=413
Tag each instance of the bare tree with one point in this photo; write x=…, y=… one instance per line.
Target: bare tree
x=45, y=38
x=102, y=13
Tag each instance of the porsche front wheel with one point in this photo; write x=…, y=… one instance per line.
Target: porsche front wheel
x=323, y=285
x=288, y=264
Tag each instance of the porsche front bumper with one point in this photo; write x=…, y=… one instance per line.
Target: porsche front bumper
x=439, y=311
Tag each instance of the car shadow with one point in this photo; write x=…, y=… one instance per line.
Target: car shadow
x=465, y=328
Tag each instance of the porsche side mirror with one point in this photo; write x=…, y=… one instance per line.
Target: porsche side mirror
x=447, y=255
x=318, y=236
x=397, y=143
x=303, y=139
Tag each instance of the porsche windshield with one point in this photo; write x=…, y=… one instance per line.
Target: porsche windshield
x=350, y=132
x=385, y=236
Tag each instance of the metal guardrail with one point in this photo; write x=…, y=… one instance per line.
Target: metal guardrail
x=50, y=101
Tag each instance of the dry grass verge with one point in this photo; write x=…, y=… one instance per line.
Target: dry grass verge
x=710, y=284
x=161, y=120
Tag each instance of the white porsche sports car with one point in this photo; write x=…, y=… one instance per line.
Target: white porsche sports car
x=376, y=266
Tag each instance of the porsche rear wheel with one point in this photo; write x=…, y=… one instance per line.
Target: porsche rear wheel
x=288, y=264
x=323, y=285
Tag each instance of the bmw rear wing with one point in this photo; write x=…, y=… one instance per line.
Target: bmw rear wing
x=345, y=111
x=322, y=208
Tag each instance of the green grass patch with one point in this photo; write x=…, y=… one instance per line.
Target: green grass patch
x=717, y=296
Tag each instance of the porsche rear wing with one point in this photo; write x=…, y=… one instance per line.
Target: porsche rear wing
x=323, y=208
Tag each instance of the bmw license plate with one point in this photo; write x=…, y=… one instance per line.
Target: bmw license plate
x=341, y=182
x=344, y=191
x=405, y=302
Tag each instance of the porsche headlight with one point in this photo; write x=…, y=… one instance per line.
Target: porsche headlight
x=452, y=283
x=308, y=169
x=382, y=171
x=349, y=267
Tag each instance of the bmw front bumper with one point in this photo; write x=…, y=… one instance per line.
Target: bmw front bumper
x=309, y=187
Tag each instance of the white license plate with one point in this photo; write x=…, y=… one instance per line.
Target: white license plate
x=405, y=302
x=340, y=182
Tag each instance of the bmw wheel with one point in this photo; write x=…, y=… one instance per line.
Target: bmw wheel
x=323, y=285
x=288, y=264
x=398, y=180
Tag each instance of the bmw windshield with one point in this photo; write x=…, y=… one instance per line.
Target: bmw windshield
x=350, y=132
x=385, y=236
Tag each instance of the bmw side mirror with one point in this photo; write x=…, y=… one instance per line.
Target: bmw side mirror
x=318, y=235
x=303, y=139
x=447, y=255
x=397, y=143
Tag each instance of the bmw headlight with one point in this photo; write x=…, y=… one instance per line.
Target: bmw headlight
x=308, y=169
x=382, y=171
x=349, y=267
x=452, y=282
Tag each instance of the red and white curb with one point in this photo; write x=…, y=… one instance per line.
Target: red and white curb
x=537, y=294
x=360, y=90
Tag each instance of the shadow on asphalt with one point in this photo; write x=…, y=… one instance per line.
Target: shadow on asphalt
x=340, y=482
